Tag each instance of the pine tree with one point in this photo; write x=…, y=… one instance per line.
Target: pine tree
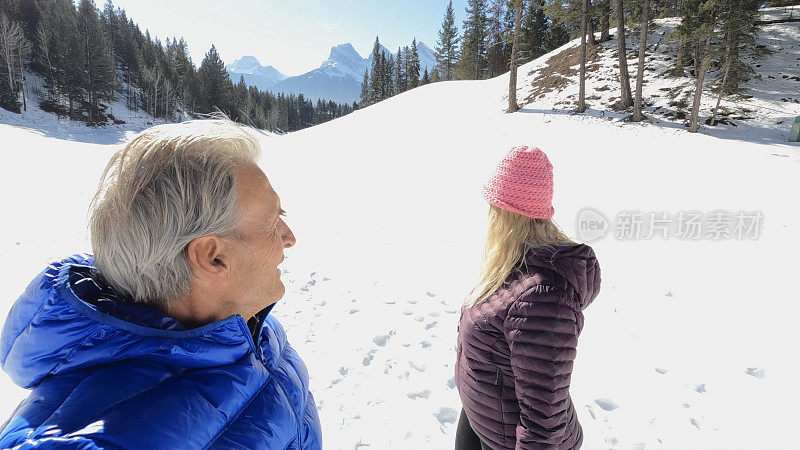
x=625, y=98
x=495, y=52
x=738, y=23
x=425, y=77
x=413, y=66
x=400, y=72
x=512, y=82
x=557, y=35
x=700, y=39
x=389, y=77
x=215, y=86
x=376, y=75
x=637, y=102
x=407, y=67
x=98, y=62
x=384, y=84
x=435, y=78
x=14, y=53
x=582, y=74
x=472, y=62
x=447, y=45
x=534, y=32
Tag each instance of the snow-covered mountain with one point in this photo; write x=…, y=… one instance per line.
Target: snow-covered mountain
x=264, y=78
x=339, y=77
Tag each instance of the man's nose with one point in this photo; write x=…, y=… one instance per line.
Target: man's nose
x=288, y=237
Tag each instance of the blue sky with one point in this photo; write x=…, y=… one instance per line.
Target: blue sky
x=293, y=36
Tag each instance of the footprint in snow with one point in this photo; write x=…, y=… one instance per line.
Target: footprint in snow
x=694, y=422
x=408, y=313
x=669, y=294
x=368, y=359
x=419, y=319
x=415, y=395
x=591, y=412
x=419, y=366
x=700, y=388
x=446, y=415
x=381, y=339
x=606, y=404
x=451, y=383
x=661, y=371
x=343, y=371
x=425, y=344
x=322, y=303
x=430, y=325
x=430, y=294
x=353, y=311
x=756, y=372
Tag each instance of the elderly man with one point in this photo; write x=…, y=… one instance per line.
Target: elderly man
x=163, y=338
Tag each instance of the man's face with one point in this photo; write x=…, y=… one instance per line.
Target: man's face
x=265, y=235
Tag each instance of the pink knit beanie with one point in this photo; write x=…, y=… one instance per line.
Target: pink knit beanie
x=522, y=183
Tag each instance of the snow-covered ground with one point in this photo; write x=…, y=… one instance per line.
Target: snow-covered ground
x=687, y=346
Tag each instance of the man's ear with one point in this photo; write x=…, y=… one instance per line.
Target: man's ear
x=208, y=258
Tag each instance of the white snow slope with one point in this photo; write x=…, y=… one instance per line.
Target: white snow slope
x=687, y=346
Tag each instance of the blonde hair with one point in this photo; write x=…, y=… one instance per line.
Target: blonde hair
x=509, y=238
x=168, y=186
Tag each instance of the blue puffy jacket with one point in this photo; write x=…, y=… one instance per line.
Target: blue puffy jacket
x=108, y=374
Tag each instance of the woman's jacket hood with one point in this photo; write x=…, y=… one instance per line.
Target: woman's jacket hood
x=91, y=359
x=578, y=265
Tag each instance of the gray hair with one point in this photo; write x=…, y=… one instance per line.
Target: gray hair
x=168, y=186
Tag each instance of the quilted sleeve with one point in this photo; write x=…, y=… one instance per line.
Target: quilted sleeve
x=542, y=334
x=311, y=431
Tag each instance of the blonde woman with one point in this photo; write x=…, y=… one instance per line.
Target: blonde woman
x=519, y=328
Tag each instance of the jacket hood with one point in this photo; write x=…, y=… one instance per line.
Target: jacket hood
x=68, y=320
x=577, y=264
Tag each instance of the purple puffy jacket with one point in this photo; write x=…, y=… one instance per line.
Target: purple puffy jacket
x=516, y=350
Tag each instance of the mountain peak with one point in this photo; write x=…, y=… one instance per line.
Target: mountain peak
x=245, y=62
x=344, y=52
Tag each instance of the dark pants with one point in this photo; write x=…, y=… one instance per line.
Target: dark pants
x=466, y=439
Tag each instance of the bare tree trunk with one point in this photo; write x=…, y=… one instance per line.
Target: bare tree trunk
x=679, y=62
x=590, y=32
x=698, y=90
x=22, y=80
x=637, y=104
x=512, y=82
x=729, y=40
x=605, y=13
x=582, y=89
x=625, y=99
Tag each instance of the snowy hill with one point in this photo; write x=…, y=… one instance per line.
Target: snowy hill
x=264, y=78
x=765, y=112
x=339, y=77
x=686, y=347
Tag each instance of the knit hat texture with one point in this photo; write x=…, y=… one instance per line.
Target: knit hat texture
x=522, y=183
